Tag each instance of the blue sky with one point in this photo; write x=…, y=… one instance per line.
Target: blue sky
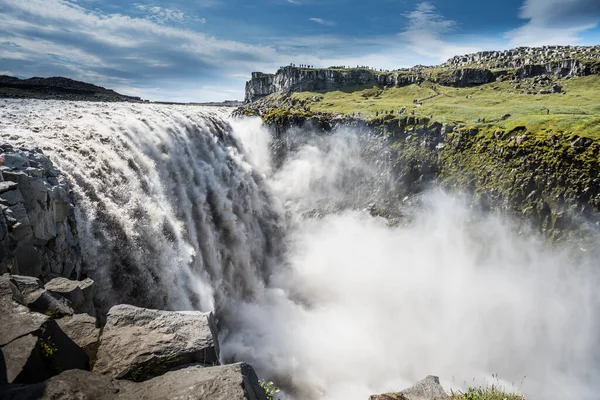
x=205, y=49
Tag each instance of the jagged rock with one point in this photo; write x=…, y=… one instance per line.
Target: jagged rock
x=138, y=343
x=504, y=117
x=83, y=330
x=79, y=293
x=30, y=292
x=427, y=389
x=38, y=212
x=32, y=345
x=227, y=382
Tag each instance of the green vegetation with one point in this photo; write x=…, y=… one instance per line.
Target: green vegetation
x=491, y=393
x=576, y=111
x=270, y=389
x=48, y=348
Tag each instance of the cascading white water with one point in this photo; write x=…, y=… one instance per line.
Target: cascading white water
x=169, y=215
x=312, y=290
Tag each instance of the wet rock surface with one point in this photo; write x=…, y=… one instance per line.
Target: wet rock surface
x=38, y=234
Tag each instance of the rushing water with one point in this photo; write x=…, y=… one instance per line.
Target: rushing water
x=180, y=207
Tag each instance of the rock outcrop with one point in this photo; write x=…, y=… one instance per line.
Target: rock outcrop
x=292, y=79
x=518, y=57
x=460, y=71
x=138, y=343
x=38, y=235
x=427, y=389
x=228, y=382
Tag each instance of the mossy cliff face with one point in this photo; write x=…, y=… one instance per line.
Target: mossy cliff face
x=549, y=178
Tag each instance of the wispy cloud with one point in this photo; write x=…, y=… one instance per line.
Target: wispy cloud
x=164, y=15
x=60, y=37
x=322, y=21
x=425, y=31
x=294, y=2
x=555, y=21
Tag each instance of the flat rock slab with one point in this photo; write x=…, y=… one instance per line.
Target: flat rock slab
x=227, y=382
x=427, y=389
x=138, y=343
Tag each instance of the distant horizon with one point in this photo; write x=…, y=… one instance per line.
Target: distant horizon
x=172, y=51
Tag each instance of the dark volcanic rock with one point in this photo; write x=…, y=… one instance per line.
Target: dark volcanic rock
x=138, y=343
x=57, y=88
x=38, y=235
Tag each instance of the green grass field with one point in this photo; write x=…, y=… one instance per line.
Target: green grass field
x=576, y=111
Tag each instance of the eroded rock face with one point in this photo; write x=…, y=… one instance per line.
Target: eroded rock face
x=138, y=344
x=37, y=225
x=228, y=382
x=427, y=389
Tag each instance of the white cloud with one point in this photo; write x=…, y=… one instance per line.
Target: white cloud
x=554, y=22
x=322, y=21
x=164, y=15
x=425, y=30
x=60, y=37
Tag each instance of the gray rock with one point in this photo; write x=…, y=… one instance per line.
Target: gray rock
x=427, y=389
x=32, y=345
x=83, y=330
x=79, y=293
x=29, y=292
x=138, y=343
x=38, y=218
x=228, y=382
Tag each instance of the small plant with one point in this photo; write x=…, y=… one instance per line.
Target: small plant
x=480, y=393
x=270, y=389
x=48, y=348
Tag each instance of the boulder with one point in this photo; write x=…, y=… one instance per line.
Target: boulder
x=79, y=293
x=138, y=344
x=32, y=346
x=427, y=389
x=83, y=330
x=228, y=382
x=29, y=292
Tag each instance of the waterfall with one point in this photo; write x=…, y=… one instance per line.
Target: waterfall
x=181, y=207
x=169, y=213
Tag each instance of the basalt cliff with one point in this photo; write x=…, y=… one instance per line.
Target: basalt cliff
x=460, y=71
